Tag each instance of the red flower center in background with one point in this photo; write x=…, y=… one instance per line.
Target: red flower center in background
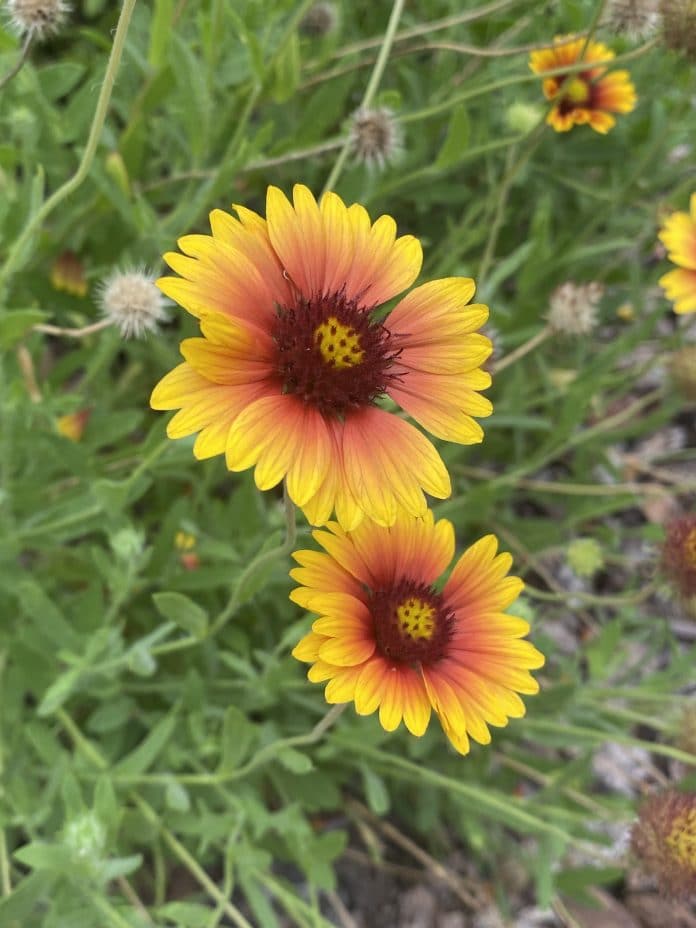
x=690, y=548
x=412, y=624
x=332, y=354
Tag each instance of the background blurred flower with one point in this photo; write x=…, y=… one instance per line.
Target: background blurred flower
x=664, y=839
x=387, y=639
x=584, y=97
x=678, y=235
x=68, y=274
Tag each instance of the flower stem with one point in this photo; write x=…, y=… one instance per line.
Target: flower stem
x=17, y=253
x=19, y=64
x=72, y=333
x=371, y=88
x=522, y=350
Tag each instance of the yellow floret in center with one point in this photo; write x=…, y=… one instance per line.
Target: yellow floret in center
x=416, y=618
x=338, y=344
x=576, y=90
x=690, y=548
x=682, y=839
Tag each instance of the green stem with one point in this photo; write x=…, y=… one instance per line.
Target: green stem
x=258, y=563
x=482, y=799
x=598, y=737
x=5, y=876
x=371, y=88
x=34, y=222
x=19, y=64
x=190, y=862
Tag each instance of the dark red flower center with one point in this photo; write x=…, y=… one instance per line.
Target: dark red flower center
x=332, y=353
x=576, y=91
x=412, y=624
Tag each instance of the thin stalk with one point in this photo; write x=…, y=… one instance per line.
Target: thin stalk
x=598, y=737
x=83, y=332
x=371, y=88
x=523, y=349
x=19, y=64
x=34, y=222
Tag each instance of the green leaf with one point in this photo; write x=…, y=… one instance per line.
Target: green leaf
x=456, y=140
x=295, y=761
x=14, y=325
x=376, y=791
x=139, y=760
x=238, y=735
x=106, y=803
x=176, y=797
x=41, y=856
x=185, y=914
x=184, y=611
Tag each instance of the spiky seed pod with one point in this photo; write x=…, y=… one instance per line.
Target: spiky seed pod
x=664, y=840
x=679, y=25
x=320, y=19
x=635, y=19
x=38, y=18
x=130, y=300
x=375, y=137
x=573, y=308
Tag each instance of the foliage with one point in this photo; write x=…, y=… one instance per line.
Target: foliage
x=157, y=737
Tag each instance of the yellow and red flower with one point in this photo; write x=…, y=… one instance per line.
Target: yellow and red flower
x=294, y=361
x=678, y=235
x=582, y=97
x=387, y=639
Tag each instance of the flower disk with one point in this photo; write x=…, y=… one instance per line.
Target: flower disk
x=296, y=357
x=582, y=97
x=678, y=235
x=664, y=839
x=387, y=639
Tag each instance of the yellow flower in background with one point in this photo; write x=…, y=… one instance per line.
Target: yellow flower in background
x=583, y=97
x=678, y=235
x=73, y=425
x=387, y=639
x=68, y=274
x=293, y=363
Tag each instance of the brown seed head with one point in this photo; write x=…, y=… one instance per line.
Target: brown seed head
x=679, y=25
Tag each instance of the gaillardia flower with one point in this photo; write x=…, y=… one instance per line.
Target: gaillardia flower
x=679, y=557
x=588, y=96
x=294, y=361
x=664, y=839
x=678, y=235
x=388, y=639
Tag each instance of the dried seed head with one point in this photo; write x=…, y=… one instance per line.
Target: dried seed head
x=635, y=19
x=679, y=556
x=39, y=18
x=679, y=25
x=375, y=137
x=131, y=301
x=573, y=308
x=682, y=367
x=664, y=839
x=320, y=19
